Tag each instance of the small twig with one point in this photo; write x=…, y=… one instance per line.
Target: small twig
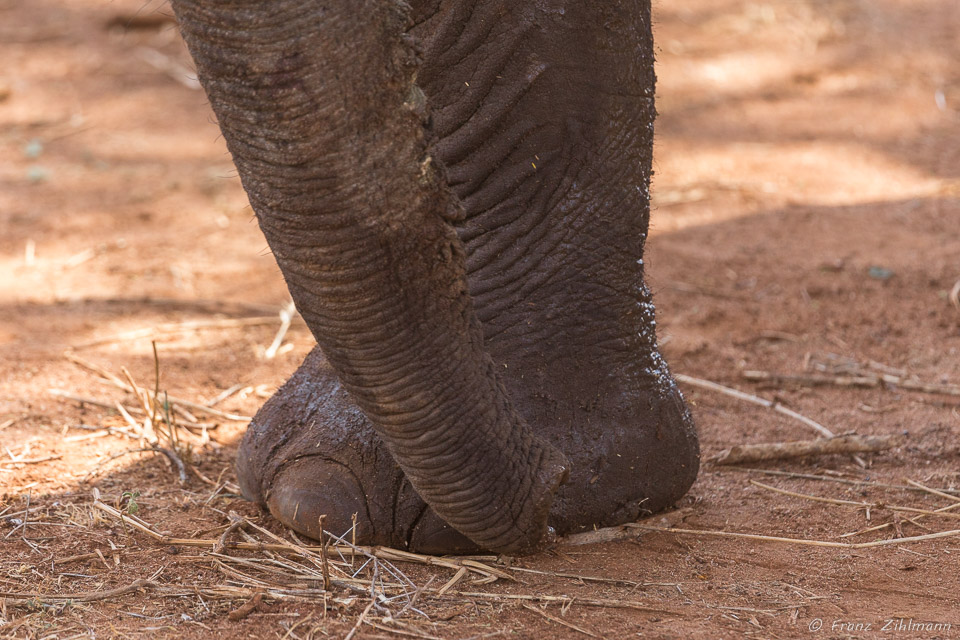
x=559, y=621
x=848, y=443
x=174, y=457
x=353, y=534
x=453, y=581
x=30, y=460
x=810, y=476
x=142, y=397
x=620, y=532
x=100, y=371
x=914, y=520
x=26, y=517
x=860, y=381
x=85, y=556
x=289, y=632
x=325, y=569
x=225, y=394
x=156, y=385
x=90, y=596
x=100, y=433
x=149, y=406
x=85, y=400
x=180, y=327
x=125, y=414
x=740, y=395
x=582, y=578
x=131, y=387
x=412, y=602
x=587, y=602
x=345, y=548
x=855, y=503
x=186, y=403
x=236, y=522
x=935, y=492
x=360, y=620
x=770, y=404
x=246, y=608
x=800, y=541
x=286, y=316
x=209, y=410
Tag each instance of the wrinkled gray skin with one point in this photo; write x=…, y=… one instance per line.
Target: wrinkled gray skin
x=457, y=194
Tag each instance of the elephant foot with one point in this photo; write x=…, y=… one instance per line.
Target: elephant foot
x=310, y=452
x=634, y=454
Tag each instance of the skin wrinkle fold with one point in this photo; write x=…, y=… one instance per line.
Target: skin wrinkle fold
x=506, y=181
x=454, y=23
x=506, y=175
x=520, y=276
x=479, y=98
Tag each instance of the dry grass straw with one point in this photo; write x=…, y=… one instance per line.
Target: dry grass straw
x=770, y=404
x=629, y=530
x=176, y=404
x=747, y=397
x=258, y=566
x=302, y=565
x=559, y=621
x=165, y=425
x=19, y=460
x=286, y=317
x=262, y=566
x=953, y=493
x=268, y=567
x=831, y=370
x=896, y=524
x=340, y=547
x=847, y=443
x=804, y=542
x=345, y=549
x=871, y=381
x=869, y=506
x=181, y=327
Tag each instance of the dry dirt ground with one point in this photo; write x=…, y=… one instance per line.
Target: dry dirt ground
x=807, y=209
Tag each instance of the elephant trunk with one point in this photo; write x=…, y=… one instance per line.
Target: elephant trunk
x=319, y=107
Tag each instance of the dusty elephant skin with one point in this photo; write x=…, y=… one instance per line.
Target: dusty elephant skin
x=457, y=195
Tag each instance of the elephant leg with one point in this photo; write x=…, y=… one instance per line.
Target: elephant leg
x=545, y=113
x=549, y=153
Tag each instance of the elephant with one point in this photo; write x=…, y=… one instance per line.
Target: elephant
x=457, y=195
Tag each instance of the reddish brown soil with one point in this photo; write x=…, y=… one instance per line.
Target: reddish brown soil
x=807, y=203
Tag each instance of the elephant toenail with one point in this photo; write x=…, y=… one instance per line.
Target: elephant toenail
x=307, y=489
